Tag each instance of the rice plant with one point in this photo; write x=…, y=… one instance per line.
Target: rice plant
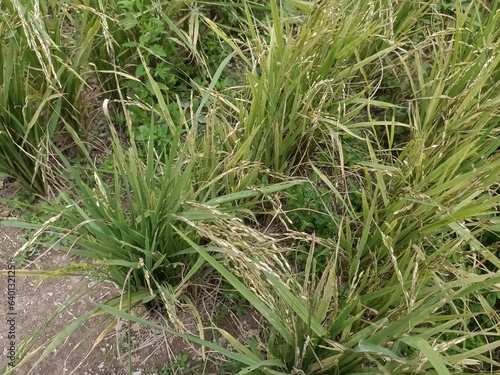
x=42, y=78
x=308, y=73
x=137, y=221
x=406, y=270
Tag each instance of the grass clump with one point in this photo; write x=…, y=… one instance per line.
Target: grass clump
x=140, y=222
x=396, y=295
x=44, y=68
x=390, y=260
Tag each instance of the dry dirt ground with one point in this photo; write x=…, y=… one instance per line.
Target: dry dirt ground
x=36, y=299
